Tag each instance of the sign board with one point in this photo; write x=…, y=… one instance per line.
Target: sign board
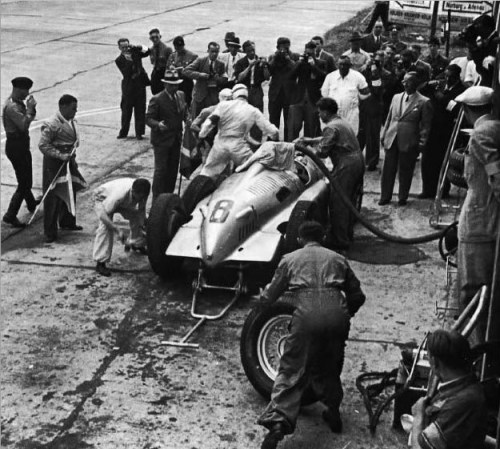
x=419, y=13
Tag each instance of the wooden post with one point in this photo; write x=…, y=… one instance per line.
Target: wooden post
x=434, y=18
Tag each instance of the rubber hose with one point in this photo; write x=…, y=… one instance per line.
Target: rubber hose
x=372, y=228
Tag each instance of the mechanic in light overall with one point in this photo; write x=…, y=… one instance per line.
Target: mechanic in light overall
x=479, y=222
x=340, y=143
x=125, y=196
x=328, y=294
x=234, y=119
x=456, y=417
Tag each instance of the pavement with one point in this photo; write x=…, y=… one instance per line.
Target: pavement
x=82, y=361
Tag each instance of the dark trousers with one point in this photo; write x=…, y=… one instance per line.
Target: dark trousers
x=156, y=84
x=134, y=101
x=399, y=162
x=312, y=359
x=187, y=87
x=305, y=113
x=256, y=98
x=198, y=105
x=18, y=152
x=280, y=103
x=369, y=136
x=55, y=211
x=166, y=166
x=348, y=171
x=432, y=159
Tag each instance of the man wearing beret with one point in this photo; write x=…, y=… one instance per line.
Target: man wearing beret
x=479, y=223
x=17, y=118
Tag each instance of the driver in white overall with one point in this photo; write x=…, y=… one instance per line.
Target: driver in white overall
x=234, y=120
x=327, y=294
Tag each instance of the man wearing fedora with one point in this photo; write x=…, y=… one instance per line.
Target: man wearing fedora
x=179, y=60
x=17, y=118
x=210, y=75
x=166, y=112
x=359, y=58
x=230, y=58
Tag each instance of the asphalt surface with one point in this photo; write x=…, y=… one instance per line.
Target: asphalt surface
x=82, y=361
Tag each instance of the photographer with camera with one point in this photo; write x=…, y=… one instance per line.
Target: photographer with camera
x=308, y=76
x=210, y=75
x=281, y=64
x=134, y=82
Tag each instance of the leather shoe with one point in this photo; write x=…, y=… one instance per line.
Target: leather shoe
x=425, y=196
x=274, y=436
x=402, y=202
x=14, y=222
x=383, y=202
x=139, y=137
x=121, y=136
x=72, y=228
x=102, y=269
x=50, y=239
x=332, y=418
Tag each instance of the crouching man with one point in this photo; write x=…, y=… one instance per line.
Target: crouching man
x=128, y=197
x=328, y=294
x=456, y=417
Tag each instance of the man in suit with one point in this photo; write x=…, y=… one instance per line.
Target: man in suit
x=159, y=54
x=404, y=136
x=210, y=76
x=230, y=59
x=281, y=64
x=134, y=84
x=324, y=55
x=399, y=45
x=443, y=121
x=373, y=41
x=179, y=60
x=166, y=112
x=436, y=60
x=308, y=76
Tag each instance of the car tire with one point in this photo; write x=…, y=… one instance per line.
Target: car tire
x=262, y=326
x=457, y=160
x=198, y=188
x=456, y=178
x=302, y=211
x=166, y=216
x=357, y=201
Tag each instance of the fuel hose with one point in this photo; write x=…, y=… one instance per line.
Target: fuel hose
x=347, y=201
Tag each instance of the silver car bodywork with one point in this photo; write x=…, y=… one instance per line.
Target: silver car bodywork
x=239, y=221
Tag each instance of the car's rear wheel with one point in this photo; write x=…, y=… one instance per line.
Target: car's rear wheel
x=303, y=211
x=167, y=215
x=262, y=344
x=198, y=188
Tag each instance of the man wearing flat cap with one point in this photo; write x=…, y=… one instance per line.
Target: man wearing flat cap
x=479, y=222
x=359, y=58
x=404, y=136
x=179, y=60
x=166, y=113
x=17, y=118
x=281, y=64
x=230, y=58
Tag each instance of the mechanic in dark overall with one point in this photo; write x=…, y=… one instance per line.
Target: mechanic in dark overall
x=456, y=417
x=340, y=143
x=327, y=295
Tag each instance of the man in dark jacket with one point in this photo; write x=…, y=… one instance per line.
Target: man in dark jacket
x=210, y=77
x=281, y=64
x=327, y=294
x=308, y=75
x=322, y=54
x=159, y=54
x=179, y=60
x=443, y=121
x=374, y=41
x=134, y=84
x=166, y=112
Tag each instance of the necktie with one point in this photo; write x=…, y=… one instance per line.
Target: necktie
x=211, y=67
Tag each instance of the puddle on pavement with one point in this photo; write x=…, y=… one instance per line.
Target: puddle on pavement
x=374, y=251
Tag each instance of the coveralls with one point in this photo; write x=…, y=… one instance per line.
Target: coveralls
x=115, y=197
x=234, y=119
x=479, y=221
x=313, y=355
x=341, y=144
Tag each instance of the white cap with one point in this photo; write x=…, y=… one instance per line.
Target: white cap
x=225, y=94
x=240, y=90
x=476, y=96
